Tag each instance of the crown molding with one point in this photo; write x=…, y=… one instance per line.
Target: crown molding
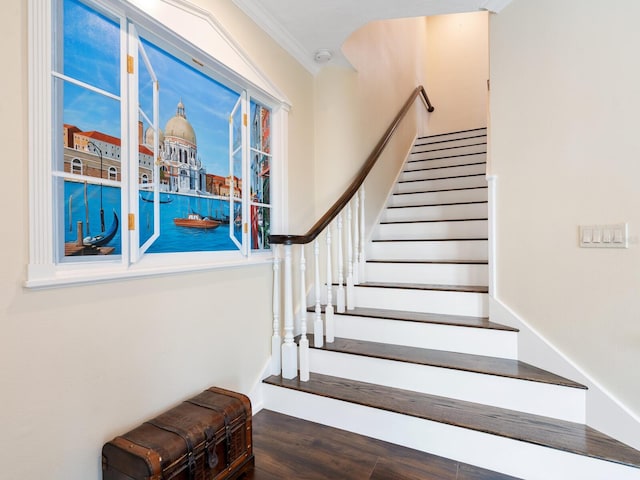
x=275, y=30
x=495, y=6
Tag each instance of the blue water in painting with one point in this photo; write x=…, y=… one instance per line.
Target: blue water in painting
x=172, y=238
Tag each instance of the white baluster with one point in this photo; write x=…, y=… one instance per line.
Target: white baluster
x=340, y=300
x=289, y=350
x=350, y=285
x=276, y=339
x=304, y=341
x=318, y=333
x=356, y=243
x=328, y=311
x=361, y=257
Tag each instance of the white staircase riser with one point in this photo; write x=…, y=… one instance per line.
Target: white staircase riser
x=441, y=184
x=463, y=211
x=451, y=135
x=433, y=301
x=426, y=152
x=432, y=230
x=430, y=172
x=447, y=161
x=512, y=457
x=462, y=141
x=431, y=250
x=447, y=196
x=450, y=338
x=432, y=273
x=554, y=401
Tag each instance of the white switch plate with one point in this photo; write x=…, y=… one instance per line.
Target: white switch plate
x=604, y=236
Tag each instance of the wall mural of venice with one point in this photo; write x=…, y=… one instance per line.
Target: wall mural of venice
x=193, y=149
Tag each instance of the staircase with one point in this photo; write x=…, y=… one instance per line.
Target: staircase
x=418, y=363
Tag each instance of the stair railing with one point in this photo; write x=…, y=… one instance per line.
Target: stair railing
x=351, y=203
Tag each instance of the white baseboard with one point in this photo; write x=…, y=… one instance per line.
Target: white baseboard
x=256, y=394
x=604, y=411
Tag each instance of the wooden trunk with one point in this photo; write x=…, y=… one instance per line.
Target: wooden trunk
x=207, y=437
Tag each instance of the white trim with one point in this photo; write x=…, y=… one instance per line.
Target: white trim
x=495, y=6
x=605, y=412
x=45, y=268
x=40, y=185
x=171, y=263
x=492, y=182
x=221, y=55
x=272, y=27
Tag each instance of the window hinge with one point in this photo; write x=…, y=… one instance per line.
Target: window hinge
x=132, y=221
x=129, y=64
x=246, y=227
x=244, y=119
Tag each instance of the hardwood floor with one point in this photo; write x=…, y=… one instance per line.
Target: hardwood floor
x=289, y=448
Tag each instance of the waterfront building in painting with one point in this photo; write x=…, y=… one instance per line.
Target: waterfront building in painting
x=181, y=170
x=96, y=154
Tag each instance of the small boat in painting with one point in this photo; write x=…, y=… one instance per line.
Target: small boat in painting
x=149, y=197
x=195, y=220
x=103, y=237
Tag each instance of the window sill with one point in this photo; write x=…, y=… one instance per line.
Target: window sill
x=40, y=277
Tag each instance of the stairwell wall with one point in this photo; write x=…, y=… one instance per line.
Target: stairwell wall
x=79, y=365
x=354, y=106
x=458, y=60
x=564, y=120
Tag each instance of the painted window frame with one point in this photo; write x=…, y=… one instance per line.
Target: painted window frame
x=233, y=67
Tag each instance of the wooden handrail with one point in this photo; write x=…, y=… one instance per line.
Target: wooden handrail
x=328, y=217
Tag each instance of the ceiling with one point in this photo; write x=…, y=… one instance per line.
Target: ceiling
x=309, y=29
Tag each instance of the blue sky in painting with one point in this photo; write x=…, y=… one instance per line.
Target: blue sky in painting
x=91, y=53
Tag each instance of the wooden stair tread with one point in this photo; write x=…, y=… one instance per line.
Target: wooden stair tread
x=422, y=317
x=548, y=432
x=441, y=190
x=448, y=148
x=424, y=286
x=437, y=205
x=403, y=222
x=443, y=178
x=444, y=166
x=500, y=367
x=436, y=142
x=450, y=133
x=442, y=262
x=429, y=239
x=445, y=157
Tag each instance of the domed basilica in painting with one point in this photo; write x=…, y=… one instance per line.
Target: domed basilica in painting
x=180, y=169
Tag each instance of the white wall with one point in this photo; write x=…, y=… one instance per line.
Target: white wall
x=458, y=55
x=564, y=138
x=79, y=365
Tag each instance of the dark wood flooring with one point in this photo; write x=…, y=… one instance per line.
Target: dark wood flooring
x=289, y=448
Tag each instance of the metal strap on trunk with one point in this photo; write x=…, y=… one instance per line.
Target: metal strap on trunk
x=191, y=460
x=227, y=425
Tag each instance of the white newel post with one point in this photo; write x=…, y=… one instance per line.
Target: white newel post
x=328, y=311
x=340, y=300
x=289, y=350
x=304, y=341
x=361, y=257
x=350, y=285
x=356, y=243
x=276, y=339
x=318, y=332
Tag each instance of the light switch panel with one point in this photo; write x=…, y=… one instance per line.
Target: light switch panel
x=604, y=236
